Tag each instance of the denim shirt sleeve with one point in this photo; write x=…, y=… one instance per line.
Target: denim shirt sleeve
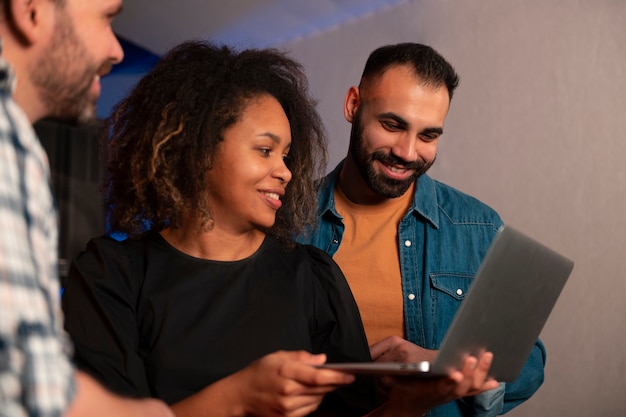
x=487, y=404
x=509, y=395
x=529, y=380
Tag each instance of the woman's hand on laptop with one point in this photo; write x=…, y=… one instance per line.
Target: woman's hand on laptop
x=280, y=384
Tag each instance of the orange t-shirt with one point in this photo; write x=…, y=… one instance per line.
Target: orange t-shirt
x=369, y=258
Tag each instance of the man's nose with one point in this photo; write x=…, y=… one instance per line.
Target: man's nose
x=406, y=149
x=116, y=53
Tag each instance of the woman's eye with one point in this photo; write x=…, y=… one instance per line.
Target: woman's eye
x=265, y=151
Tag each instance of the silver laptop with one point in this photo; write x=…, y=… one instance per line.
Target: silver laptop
x=504, y=311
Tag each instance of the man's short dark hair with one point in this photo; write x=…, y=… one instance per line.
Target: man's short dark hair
x=430, y=67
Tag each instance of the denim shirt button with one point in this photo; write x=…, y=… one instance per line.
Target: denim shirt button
x=335, y=241
x=407, y=243
x=459, y=292
x=411, y=297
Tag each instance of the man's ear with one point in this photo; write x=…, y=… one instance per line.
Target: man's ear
x=26, y=17
x=351, y=103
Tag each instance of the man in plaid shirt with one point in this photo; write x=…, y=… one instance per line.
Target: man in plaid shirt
x=58, y=50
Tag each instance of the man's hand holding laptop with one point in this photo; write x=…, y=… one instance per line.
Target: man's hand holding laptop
x=411, y=396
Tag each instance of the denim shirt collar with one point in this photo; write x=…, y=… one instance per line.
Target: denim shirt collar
x=425, y=202
x=326, y=193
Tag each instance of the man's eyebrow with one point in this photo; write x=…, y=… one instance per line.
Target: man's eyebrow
x=436, y=130
x=399, y=120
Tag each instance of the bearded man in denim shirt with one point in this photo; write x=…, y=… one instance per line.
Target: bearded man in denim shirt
x=409, y=245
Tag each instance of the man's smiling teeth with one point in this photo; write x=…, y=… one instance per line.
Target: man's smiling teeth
x=273, y=196
x=395, y=169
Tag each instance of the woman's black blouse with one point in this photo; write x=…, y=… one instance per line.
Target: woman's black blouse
x=149, y=320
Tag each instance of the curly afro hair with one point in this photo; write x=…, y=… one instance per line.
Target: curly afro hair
x=161, y=139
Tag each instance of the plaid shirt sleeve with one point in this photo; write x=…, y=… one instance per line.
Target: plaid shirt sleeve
x=36, y=376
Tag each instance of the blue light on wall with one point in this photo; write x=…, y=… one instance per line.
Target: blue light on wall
x=123, y=77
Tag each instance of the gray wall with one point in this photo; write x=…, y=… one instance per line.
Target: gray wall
x=536, y=130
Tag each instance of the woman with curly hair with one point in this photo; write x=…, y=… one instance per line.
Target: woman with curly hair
x=208, y=304
x=211, y=164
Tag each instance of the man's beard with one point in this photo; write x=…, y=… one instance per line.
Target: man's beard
x=64, y=75
x=382, y=185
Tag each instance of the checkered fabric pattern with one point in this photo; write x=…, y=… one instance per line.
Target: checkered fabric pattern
x=36, y=377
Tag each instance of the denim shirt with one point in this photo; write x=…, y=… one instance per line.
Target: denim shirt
x=442, y=240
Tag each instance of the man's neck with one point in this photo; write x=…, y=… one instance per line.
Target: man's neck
x=23, y=96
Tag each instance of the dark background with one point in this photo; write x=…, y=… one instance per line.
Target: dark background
x=76, y=172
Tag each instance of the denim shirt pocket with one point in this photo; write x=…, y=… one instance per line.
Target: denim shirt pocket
x=448, y=291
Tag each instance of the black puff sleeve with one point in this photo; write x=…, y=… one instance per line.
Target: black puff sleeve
x=99, y=303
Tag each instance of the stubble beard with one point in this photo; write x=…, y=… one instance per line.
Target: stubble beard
x=64, y=75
